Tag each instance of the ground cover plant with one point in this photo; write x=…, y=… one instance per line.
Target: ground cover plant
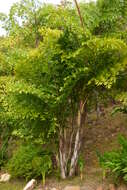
x=116, y=161
x=29, y=161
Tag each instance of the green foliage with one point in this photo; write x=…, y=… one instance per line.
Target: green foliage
x=116, y=161
x=30, y=161
x=112, y=16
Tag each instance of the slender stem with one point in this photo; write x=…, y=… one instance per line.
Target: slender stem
x=79, y=13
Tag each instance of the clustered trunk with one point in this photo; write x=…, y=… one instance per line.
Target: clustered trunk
x=70, y=141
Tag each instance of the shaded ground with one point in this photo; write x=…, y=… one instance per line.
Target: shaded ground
x=102, y=136
x=12, y=185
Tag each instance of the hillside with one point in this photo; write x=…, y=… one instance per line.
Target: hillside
x=104, y=135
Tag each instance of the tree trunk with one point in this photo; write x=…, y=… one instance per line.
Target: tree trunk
x=62, y=155
x=78, y=139
x=62, y=168
x=70, y=143
x=75, y=155
x=98, y=111
x=79, y=13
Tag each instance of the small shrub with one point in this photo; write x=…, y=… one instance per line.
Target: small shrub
x=116, y=161
x=29, y=161
x=42, y=165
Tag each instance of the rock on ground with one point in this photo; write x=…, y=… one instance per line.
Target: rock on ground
x=30, y=185
x=100, y=187
x=72, y=188
x=5, y=177
x=54, y=188
x=112, y=187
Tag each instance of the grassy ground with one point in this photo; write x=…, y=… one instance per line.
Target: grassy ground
x=12, y=185
x=102, y=136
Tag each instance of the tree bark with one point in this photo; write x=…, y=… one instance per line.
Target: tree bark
x=70, y=141
x=78, y=139
x=62, y=168
x=74, y=158
x=62, y=155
